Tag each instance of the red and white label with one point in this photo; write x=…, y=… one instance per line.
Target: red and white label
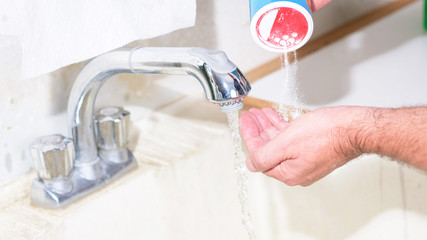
x=282, y=28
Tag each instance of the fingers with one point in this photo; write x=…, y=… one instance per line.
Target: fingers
x=250, y=130
x=317, y=4
x=268, y=156
x=281, y=173
x=258, y=129
x=264, y=122
x=259, y=126
x=286, y=174
x=291, y=176
x=250, y=165
x=267, y=130
x=275, y=118
x=298, y=172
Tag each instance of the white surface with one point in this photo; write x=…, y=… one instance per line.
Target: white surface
x=382, y=65
x=368, y=199
x=371, y=198
x=184, y=188
x=28, y=107
x=57, y=34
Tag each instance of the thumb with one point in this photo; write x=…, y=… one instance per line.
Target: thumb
x=268, y=156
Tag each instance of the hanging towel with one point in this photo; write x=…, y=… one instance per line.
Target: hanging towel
x=60, y=33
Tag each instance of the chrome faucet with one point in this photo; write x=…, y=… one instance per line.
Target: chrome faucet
x=70, y=168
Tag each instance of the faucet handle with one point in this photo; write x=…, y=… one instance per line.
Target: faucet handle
x=53, y=157
x=112, y=128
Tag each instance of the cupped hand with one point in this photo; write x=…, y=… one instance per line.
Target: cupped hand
x=302, y=151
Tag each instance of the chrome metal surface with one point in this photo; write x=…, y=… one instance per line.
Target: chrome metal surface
x=43, y=195
x=112, y=131
x=100, y=144
x=221, y=80
x=53, y=156
x=112, y=128
x=231, y=106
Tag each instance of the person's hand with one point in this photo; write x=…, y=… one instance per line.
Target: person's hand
x=318, y=4
x=302, y=151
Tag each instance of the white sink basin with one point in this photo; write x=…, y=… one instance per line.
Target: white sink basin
x=184, y=188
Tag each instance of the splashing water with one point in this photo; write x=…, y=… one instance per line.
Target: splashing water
x=241, y=173
x=291, y=109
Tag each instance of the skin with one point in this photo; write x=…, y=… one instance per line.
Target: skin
x=318, y=4
x=307, y=149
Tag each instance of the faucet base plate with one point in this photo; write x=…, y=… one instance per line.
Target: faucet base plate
x=44, y=195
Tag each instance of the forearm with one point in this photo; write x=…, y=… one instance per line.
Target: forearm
x=397, y=133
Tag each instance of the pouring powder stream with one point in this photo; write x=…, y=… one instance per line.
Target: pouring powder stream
x=241, y=173
x=289, y=89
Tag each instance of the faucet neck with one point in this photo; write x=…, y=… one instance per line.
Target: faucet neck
x=221, y=80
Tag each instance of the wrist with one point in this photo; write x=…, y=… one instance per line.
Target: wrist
x=363, y=129
x=351, y=130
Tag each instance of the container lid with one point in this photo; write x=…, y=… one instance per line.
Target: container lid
x=282, y=26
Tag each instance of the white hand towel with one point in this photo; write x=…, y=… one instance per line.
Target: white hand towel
x=59, y=33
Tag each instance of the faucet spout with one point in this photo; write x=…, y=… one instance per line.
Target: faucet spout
x=71, y=168
x=221, y=80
